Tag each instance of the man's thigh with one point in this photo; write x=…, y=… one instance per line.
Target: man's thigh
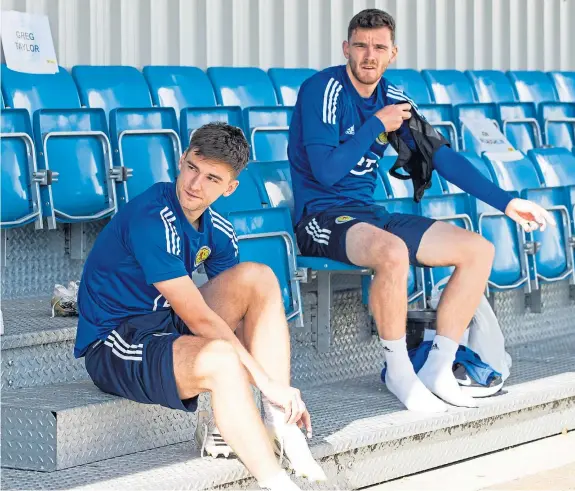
x=349, y=235
x=444, y=244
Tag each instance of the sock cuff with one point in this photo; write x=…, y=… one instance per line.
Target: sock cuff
x=445, y=344
x=395, y=345
x=276, y=482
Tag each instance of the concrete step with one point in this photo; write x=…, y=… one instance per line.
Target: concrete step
x=36, y=348
x=361, y=434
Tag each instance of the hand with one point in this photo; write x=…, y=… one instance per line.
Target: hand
x=529, y=215
x=289, y=399
x=393, y=116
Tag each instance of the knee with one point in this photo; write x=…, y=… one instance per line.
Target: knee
x=391, y=258
x=218, y=359
x=476, y=250
x=260, y=278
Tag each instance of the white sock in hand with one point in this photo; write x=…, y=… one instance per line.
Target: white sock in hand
x=401, y=380
x=293, y=442
x=437, y=373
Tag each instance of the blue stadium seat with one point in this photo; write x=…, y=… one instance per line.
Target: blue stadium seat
x=491, y=86
x=564, y=83
x=397, y=188
x=441, y=117
x=268, y=128
x=532, y=86
x=449, y=86
x=558, y=122
x=192, y=118
x=264, y=237
x=466, y=111
x=32, y=91
x=287, y=82
x=556, y=166
x=554, y=259
x=412, y=83
x=109, y=87
x=246, y=197
x=20, y=196
x=509, y=266
x=245, y=87
x=179, y=87
x=2, y=101
x=275, y=184
x=146, y=147
x=75, y=144
x=520, y=125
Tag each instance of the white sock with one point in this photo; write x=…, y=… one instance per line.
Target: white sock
x=401, y=380
x=437, y=373
x=293, y=441
x=279, y=482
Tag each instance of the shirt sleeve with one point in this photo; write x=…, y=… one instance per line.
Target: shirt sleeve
x=226, y=254
x=155, y=242
x=321, y=110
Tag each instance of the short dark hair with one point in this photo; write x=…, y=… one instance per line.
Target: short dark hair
x=371, y=19
x=223, y=142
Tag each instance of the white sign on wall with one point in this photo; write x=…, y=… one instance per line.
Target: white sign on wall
x=27, y=42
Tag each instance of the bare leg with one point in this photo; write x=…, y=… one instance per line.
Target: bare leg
x=201, y=365
x=446, y=245
x=257, y=308
x=387, y=255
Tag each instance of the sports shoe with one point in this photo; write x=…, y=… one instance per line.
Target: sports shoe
x=65, y=300
x=209, y=438
x=471, y=387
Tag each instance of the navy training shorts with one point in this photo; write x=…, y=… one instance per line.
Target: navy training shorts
x=136, y=360
x=323, y=234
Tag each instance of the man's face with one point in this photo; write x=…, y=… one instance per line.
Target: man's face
x=369, y=52
x=202, y=181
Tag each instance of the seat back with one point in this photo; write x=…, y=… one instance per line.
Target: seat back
x=268, y=128
x=491, y=86
x=266, y=236
x=523, y=135
x=513, y=175
x=245, y=87
x=275, y=184
x=245, y=197
x=19, y=203
x=558, y=122
x=192, y=118
x=109, y=87
x=556, y=166
x=564, y=83
x=82, y=157
x=179, y=87
x=34, y=91
x=412, y=83
x=449, y=86
x=145, y=141
x=532, y=86
x=554, y=257
x=287, y=81
x=472, y=111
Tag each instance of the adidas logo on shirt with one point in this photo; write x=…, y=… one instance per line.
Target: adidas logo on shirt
x=350, y=130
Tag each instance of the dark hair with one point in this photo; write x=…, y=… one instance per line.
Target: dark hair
x=371, y=19
x=222, y=142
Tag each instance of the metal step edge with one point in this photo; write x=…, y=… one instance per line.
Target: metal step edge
x=367, y=452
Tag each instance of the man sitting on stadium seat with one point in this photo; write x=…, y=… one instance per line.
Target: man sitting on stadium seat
x=150, y=335
x=338, y=133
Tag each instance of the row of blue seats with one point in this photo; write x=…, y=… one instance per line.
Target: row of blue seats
x=532, y=109
x=94, y=181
